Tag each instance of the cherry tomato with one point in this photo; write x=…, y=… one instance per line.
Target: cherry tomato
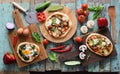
x=102, y=22
x=86, y=13
x=78, y=39
x=79, y=11
x=84, y=6
x=81, y=18
x=45, y=41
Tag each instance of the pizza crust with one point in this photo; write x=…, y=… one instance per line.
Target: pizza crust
x=111, y=45
x=33, y=58
x=70, y=24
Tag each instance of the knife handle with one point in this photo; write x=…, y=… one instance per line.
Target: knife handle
x=113, y=29
x=19, y=7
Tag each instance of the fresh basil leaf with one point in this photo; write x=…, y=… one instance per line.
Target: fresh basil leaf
x=53, y=57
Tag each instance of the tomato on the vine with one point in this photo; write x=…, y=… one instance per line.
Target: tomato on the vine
x=84, y=6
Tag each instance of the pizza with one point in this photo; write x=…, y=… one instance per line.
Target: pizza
x=99, y=44
x=58, y=25
x=27, y=52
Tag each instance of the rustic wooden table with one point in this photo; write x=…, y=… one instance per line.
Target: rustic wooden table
x=108, y=65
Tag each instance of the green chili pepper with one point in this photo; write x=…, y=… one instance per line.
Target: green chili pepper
x=36, y=37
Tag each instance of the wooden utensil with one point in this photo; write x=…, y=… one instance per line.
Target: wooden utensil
x=111, y=11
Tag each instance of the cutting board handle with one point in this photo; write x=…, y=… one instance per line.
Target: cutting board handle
x=18, y=19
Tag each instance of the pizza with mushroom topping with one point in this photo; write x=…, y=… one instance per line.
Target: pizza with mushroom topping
x=58, y=25
x=27, y=52
x=99, y=44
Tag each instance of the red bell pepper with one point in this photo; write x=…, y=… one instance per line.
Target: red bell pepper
x=8, y=58
x=102, y=22
x=41, y=16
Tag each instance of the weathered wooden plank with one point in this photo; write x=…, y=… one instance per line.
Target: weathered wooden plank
x=115, y=61
x=7, y=72
x=93, y=67
x=5, y=17
x=22, y=1
x=71, y=5
x=52, y=65
x=18, y=1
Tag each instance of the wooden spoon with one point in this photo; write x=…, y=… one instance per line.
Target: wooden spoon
x=111, y=11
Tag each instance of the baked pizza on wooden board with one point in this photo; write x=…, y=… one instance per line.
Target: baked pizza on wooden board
x=26, y=44
x=97, y=57
x=59, y=26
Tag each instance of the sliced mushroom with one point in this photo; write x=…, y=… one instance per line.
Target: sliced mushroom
x=82, y=55
x=83, y=48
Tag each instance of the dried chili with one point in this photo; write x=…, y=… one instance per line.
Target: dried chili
x=64, y=50
x=14, y=41
x=58, y=47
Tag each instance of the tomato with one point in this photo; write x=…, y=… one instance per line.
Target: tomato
x=102, y=22
x=81, y=18
x=41, y=16
x=84, y=6
x=79, y=11
x=86, y=13
x=78, y=39
x=45, y=41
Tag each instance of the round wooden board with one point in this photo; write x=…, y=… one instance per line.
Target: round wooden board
x=70, y=14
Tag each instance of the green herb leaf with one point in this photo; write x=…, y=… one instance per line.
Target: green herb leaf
x=53, y=57
x=53, y=22
x=36, y=37
x=97, y=11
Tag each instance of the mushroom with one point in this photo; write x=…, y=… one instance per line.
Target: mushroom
x=82, y=55
x=83, y=48
x=90, y=24
x=84, y=29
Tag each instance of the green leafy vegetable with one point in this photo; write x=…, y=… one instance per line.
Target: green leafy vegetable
x=53, y=57
x=91, y=43
x=53, y=22
x=36, y=37
x=97, y=11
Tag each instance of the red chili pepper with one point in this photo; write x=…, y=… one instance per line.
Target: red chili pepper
x=58, y=47
x=14, y=40
x=64, y=50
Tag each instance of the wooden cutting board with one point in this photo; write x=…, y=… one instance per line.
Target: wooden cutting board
x=70, y=14
x=93, y=57
x=32, y=28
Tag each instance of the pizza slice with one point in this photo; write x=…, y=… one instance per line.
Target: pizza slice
x=27, y=52
x=58, y=24
x=99, y=44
